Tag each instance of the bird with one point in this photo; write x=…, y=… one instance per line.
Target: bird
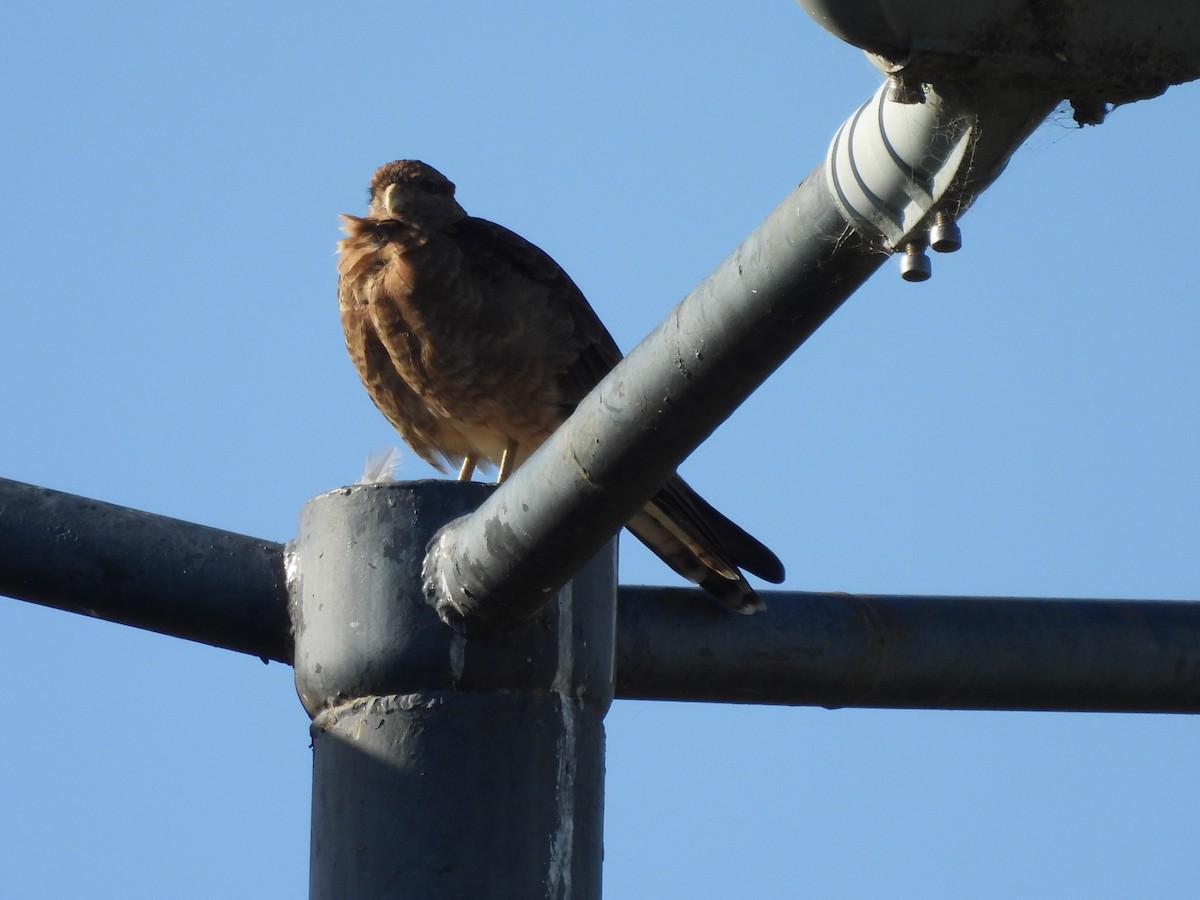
x=476, y=345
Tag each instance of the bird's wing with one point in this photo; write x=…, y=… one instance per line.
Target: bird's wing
x=678, y=525
x=493, y=247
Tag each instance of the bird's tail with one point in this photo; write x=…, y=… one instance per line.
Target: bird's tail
x=704, y=546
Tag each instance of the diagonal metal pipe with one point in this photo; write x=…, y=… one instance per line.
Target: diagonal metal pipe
x=892, y=167
x=627, y=436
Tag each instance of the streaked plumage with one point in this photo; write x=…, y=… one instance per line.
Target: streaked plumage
x=476, y=345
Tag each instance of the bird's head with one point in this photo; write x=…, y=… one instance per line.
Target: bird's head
x=411, y=191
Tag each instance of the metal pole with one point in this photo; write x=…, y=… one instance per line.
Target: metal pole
x=444, y=766
x=139, y=569
x=788, y=276
x=633, y=430
x=837, y=650
x=228, y=590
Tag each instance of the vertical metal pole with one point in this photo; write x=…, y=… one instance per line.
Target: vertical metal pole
x=443, y=765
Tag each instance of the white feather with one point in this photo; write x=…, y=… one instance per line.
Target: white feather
x=382, y=466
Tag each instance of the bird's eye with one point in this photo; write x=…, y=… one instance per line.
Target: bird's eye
x=430, y=186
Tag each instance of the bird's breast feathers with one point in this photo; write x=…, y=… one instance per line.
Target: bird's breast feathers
x=476, y=347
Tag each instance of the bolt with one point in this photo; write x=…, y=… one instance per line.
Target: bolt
x=945, y=235
x=914, y=265
x=900, y=91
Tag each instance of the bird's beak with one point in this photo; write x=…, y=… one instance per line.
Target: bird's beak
x=389, y=196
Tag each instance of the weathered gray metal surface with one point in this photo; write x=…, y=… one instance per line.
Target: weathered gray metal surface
x=635, y=428
x=140, y=569
x=839, y=650
x=446, y=794
x=1102, y=51
x=706, y=357
x=673, y=644
x=444, y=766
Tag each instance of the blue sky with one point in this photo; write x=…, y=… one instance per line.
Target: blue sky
x=1023, y=424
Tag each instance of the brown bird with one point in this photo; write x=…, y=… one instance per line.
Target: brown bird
x=476, y=345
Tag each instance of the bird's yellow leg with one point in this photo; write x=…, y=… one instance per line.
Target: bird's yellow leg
x=468, y=466
x=508, y=461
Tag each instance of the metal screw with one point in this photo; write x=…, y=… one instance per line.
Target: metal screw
x=915, y=265
x=945, y=235
x=901, y=92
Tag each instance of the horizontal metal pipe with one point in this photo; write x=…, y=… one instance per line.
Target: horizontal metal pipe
x=838, y=650
x=815, y=649
x=140, y=569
